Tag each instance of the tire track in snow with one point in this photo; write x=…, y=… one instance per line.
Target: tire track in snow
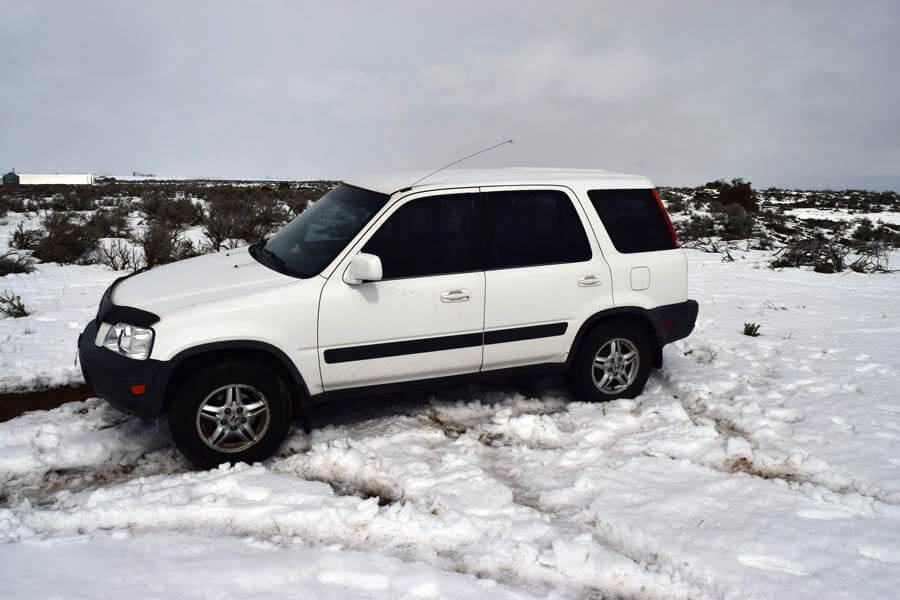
x=495, y=458
x=751, y=464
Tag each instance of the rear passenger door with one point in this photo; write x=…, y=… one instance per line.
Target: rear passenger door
x=543, y=274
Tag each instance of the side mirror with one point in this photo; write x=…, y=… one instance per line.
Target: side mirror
x=364, y=267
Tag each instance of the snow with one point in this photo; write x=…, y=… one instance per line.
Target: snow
x=749, y=468
x=837, y=214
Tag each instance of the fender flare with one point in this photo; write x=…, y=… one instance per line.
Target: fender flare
x=282, y=359
x=649, y=318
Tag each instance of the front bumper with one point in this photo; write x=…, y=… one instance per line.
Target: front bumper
x=112, y=377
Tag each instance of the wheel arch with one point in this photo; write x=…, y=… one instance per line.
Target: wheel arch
x=641, y=317
x=186, y=361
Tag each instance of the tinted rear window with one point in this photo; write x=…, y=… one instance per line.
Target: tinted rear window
x=633, y=220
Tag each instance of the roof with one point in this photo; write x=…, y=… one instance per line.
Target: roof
x=388, y=183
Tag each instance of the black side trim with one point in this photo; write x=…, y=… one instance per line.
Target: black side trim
x=524, y=333
x=422, y=384
x=450, y=342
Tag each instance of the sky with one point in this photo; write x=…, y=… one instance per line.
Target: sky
x=789, y=94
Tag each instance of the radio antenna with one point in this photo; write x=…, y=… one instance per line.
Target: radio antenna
x=509, y=141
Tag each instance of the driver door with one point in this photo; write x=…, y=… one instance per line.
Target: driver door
x=425, y=317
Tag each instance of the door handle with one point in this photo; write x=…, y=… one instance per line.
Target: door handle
x=589, y=281
x=456, y=296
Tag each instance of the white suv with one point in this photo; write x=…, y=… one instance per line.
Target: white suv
x=380, y=285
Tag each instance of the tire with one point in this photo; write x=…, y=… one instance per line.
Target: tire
x=245, y=416
x=623, y=379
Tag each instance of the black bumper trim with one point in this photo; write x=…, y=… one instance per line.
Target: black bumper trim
x=675, y=321
x=111, y=376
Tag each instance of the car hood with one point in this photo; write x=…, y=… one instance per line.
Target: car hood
x=206, y=278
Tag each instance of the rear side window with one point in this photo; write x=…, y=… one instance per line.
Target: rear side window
x=429, y=236
x=633, y=219
x=531, y=227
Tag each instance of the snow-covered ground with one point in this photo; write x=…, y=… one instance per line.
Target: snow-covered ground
x=838, y=214
x=750, y=468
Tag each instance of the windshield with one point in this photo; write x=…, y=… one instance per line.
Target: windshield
x=308, y=243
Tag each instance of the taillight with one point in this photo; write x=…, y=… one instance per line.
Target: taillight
x=668, y=220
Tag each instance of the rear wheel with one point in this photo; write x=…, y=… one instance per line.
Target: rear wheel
x=230, y=412
x=613, y=361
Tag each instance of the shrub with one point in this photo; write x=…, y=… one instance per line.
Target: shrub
x=69, y=240
x=872, y=257
x=120, y=256
x=823, y=254
x=174, y=211
x=14, y=263
x=695, y=228
x=159, y=241
x=74, y=198
x=675, y=203
x=10, y=201
x=110, y=222
x=236, y=214
x=11, y=305
x=26, y=239
x=162, y=244
x=738, y=223
x=751, y=329
x=737, y=191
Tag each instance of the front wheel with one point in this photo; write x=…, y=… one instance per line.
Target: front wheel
x=613, y=361
x=230, y=412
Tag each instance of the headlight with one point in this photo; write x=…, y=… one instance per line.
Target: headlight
x=129, y=340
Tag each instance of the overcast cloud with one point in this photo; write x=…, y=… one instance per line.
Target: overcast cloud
x=786, y=94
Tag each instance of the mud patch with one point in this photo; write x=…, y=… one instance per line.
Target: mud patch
x=743, y=464
x=451, y=429
x=44, y=490
x=364, y=490
x=13, y=405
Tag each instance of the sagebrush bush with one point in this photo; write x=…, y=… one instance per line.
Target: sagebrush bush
x=25, y=239
x=11, y=305
x=12, y=262
x=698, y=226
x=74, y=198
x=69, y=240
x=236, y=214
x=163, y=243
x=120, y=256
x=737, y=222
x=872, y=257
x=737, y=191
x=751, y=329
x=674, y=203
x=110, y=222
x=171, y=210
x=823, y=254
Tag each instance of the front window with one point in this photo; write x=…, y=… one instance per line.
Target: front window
x=308, y=243
x=428, y=236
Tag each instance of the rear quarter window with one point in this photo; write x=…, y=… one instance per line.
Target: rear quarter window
x=633, y=219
